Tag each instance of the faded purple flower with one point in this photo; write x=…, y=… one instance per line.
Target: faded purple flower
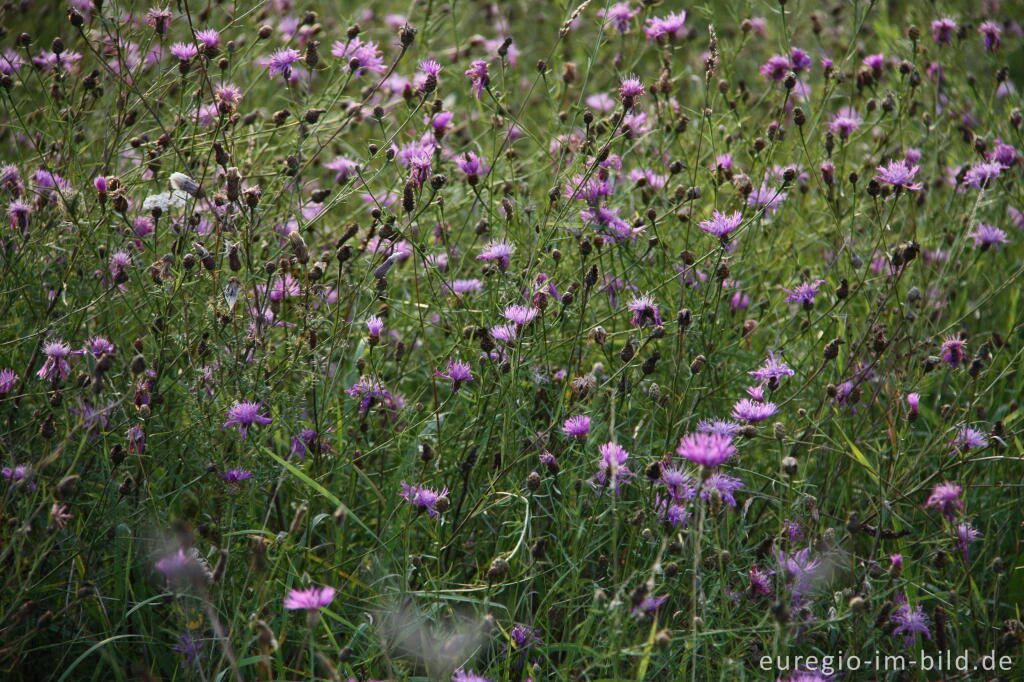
x=243, y=415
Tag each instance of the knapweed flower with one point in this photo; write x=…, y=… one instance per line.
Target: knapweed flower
x=899, y=174
x=235, y=476
x=479, y=76
x=8, y=380
x=645, y=311
x=431, y=501
x=982, y=174
x=374, y=326
x=184, y=51
x=954, y=351
x=245, y=414
x=458, y=373
x=968, y=438
x=630, y=89
x=722, y=224
x=648, y=605
x=803, y=294
x=776, y=68
x=799, y=569
x=845, y=121
x=56, y=365
x=720, y=426
x=612, y=469
x=671, y=511
x=668, y=28
x=371, y=391
x=281, y=62
x=20, y=472
x=759, y=581
x=467, y=676
x=618, y=15
x=520, y=315
x=966, y=534
x=773, y=369
x=159, y=20
x=678, y=483
x=768, y=198
x=209, y=38
x=184, y=566
x=752, y=411
x=987, y=236
x=910, y=622
x=721, y=485
x=311, y=599
x=990, y=32
x=708, y=450
x=360, y=57
x=500, y=251
x=913, y=404
x=344, y=168
x=576, y=427
x=470, y=164
x=943, y=30
x=945, y=498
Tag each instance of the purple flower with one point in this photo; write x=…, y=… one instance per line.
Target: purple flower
x=281, y=62
x=520, y=314
x=576, y=427
x=470, y=164
x=426, y=498
x=312, y=599
x=766, y=197
x=913, y=403
x=645, y=311
x=184, y=51
x=724, y=485
x=983, y=173
x=721, y=224
x=752, y=411
x=21, y=472
x=910, y=623
x=899, y=174
x=803, y=294
x=968, y=438
x=498, y=250
x=671, y=511
x=430, y=67
x=210, y=40
x=359, y=56
x=945, y=497
x=845, y=121
x=943, y=30
x=612, y=469
x=8, y=380
x=708, y=450
x=524, y=637
x=678, y=483
x=374, y=326
x=720, y=426
x=776, y=68
x=619, y=15
x=954, y=351
x=371, y=391
x=648, y=605
x=986, y=236
x=56, y=365
x=630, y=88
x=191, y=649
x=343, y=168
x=799, y=569
x=18, y=212
x=665, y=28
x=159, y=20
x=458, y=373
x=243, y=415
x=990, y=32
x=464, y=676
x=772, y=369
x=235, y=476
x=479, y=76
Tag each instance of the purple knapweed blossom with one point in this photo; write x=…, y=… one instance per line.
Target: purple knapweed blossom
x=243, y=415
x=945, y=498
x=773, y=369
x=235, y=476
x=808, y=676
x=776, y=68
x=433, y=502
x=990, y=33
x=281, y=62
x=766, y=197
x=56, y=365
x=799, y=569
x=645, y=311
x=803, y=294
x=20, y=472
x=310, y=599
x=472, y=166
x=371, y=391
x=723, y=427
x=671, y=511
x=954, y=351
x=500, y=251
x=913, y=404
x=678, y=483
x=468, y=676
x=190, y=649
x=722, y=224
x=910, y=622
x=845, y=121
x=184, y=51
x=648, y=605
x=360, y=57
x=630, y=89
x=668, y=28
x=752, y=411
x=943, y=30
x=612, y=469
x=576, y=427
x=721, y=485
x=520, y=315
x=8, y=380
x=708, y=450
x=966, y=534
x=759, y=581
x=479, y=76
x=458, y=373
x=899, y=174
x=209, y=38
x=159, y=20
x=374, y=327
x=344, y=169
x=981, y=174
x=619, y=16
x=968, y=438
x=987, y=236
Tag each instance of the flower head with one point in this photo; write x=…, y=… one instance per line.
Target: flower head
x=899, y=174
x=576, y=427
x=311, y=599
x=432, y=501
x=945, y=498
x=245, y=414
x=753, y=411
x=500, y=251
x=458, y=373
x=722, y=224
x=910, y=622
x=281, y=62
x=645, y=311
x=479, y=76
x=709, y=450
x=612, y=469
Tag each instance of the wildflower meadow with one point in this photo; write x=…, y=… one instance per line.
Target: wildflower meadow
x=468, y=340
